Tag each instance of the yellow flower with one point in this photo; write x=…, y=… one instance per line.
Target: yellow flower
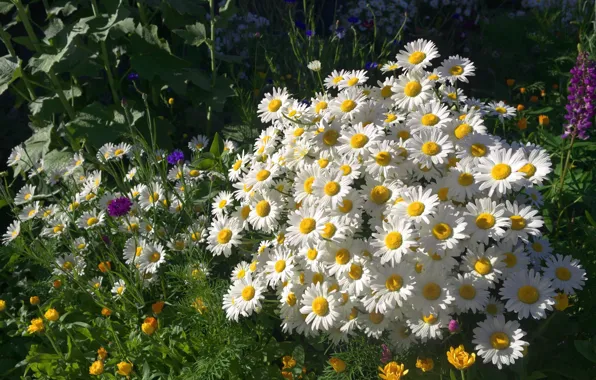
x=522, y=123
x=36, y=326
x=510, y=82
x=34, y=300
x=52, y=315
x=338, y=365
x=96, y=368
x=522, y=90
x=104, y=266
x=171, y=101
x=124, y=368
x=106, y=312
x=521, y=107
x=288, y=362
x=543, y=120
x=149, y=325
x=392, y=371
x=2, y=305
x=287, y=375
x=157, y=307
x=425, y=364
x=199, y=305
x=102, y=353
x=459, y=358
x=561, y=301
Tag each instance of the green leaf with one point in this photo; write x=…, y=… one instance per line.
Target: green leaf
x=539, y=111
x=62, y=6
x=537, y=375
x=590, y=219
x=217, y=145
x=101, y=25
x=9, y=71
x=587, y=349
x=5, y=7
x=191, y=7
x=46, y=106
x=452, y=375
x=36, y=147
x=205, y=164
x=3, y=203
x=97, y=123
x=194, y=35
x=56, y=160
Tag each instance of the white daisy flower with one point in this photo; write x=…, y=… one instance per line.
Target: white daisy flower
x=483, y=263
x=248, y=293
x=501, y=110
x=334, y=79
x=356, y=140
x=461, y=182
x=271, y=106
x=118, y=289
x=151, y=196
x=539, y=248
x=417, y=204
x=29, y=212
x=264, y=212
x=347, y=104
x=70, y=264
x=433, y=293
x=486, y=219
x=353, y=78
x=25, y=195
x=121, y=150
x=339, y=257
x=223, y=235
x=498, y=341
x=91, y=219
x=280, y=267
x=524, y=221
x=393, y=240
x=357, y=279
x=389, y=67
x=221, y=203
x=321, y=306
x=305, y=226
x=444, y=230
x=428, y=326
x=565, y=272
x=494, y=307
x=12, y=232
x=515, y=257
x=499, y=171
x=457, y=68
x=152, y=257
x=470, y=292
x=432, y=115
x=392, y=286
x=330, y=189
x=538, y=166
x=314, y=65
x=17, y=154
x=429, y=147
x=417, y=55
x=528, y=294
x=410, y=91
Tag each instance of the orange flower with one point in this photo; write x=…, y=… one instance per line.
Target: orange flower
x=543, y=93
x=522, y=90
x=338, y=365
x=158, y=307
x=459, y=358
x=520, y=107
x=124, y=368
x=288, y=362
x=543, y=120
x=36, y=326
x=96, y=368
x=102, y=353
x=522, y=123
x=510, y=82
x=34, y=300
x=106, y=312
x=555, y=86
x=392, y=371
x=57, y=284
x=149, y=325
x=534, y=99
x=104, y=266
x=52, y=315
x=425, y=364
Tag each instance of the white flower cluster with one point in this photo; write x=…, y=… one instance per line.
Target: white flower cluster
x=388, y=209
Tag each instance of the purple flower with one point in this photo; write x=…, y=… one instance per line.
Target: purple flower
x=133, y=76
x=176, y=157
x=119, y=207
x=340, y=33
x=453, y=326
x=385, y=354
x=353, y=20
x=371, y=65
x=300, y=25
x=581, y=99
x=310, y=33
x=106, y=239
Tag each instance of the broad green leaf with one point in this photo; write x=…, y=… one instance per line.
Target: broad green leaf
x=54, y=28
x=97, y=123
x=452, y=375
x=56, y=159
x=9, y=71
x=66, y=7
x=590, y=219
x=191, y=7
x=36, y=147
x=5, y=7
x=101, y=25
x=2, y=203
x=217, y=145
x=587, y=349
x=194, y=35
x=46, y=106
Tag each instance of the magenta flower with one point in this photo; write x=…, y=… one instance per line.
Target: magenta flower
x=581, y=99
x=119, y=207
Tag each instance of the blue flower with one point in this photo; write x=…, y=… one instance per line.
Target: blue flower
x=340, y=33
x=300, y=25
x=176, y=157
x=371, y=65
x=310, y=33
x=133, y=76
x=353, y=20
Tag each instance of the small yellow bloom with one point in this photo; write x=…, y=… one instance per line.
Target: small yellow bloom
x=104, y=266
x=522, y=123
x=392, y=371
x=520, y=107
x=199, y=305
x=543, y=93
x=288, y=362
x=510, y=82
x=287, y=375
x=425, y=364
x=561, y=301
x=459, y=358
x=149, y=325
x=522, y=90
x=52, y=315
x=34, y=300
x=57, y=284
x=106, y=312
x=171, y=101
x=36, y=326
x=338, y=365
x=158, y=307
x=124, y=368
x=2, y=305
x=543, y=120
x=102, y=353
x=96, y=368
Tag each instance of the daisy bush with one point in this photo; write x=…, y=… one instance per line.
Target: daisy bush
x=388, y=210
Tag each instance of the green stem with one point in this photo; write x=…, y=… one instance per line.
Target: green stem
x=5, y=37
x=60, y=91
x=53, y=343
x=142, y=14
x=213, y=68
x=27, y=24
x=566, y=166
x=106, y=64
x=23, y=95
x=463, y=376
x=95, y=8
x=30, y=88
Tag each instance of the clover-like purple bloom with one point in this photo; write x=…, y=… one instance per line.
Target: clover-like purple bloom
x=385, y=354
x=453, y=326
x=176, y=157
x=119, y=207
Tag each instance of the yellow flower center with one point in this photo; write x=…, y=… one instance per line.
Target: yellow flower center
x=280, y=265
x=443, y=193
x=456, y=70
x=224, y=236
x=292, y=113
x=345, y=206
x=342, y=256
x=536, y=246
x=462, y=131
x=380, y=194
x=329, y=230
x=452, y=95
x=153, y=197
x=248, y=292
x=331, y=188
x=510, y=260
x=263, y=208
x=359, y=140
x=499, y=340
x=483, y=266
x=517, y=222
x=386, y=91
x=312, y=254
x=528, y=169
x=431, y=148
x=376, y=318
x=430, y=319
x=317, y=278
x=138, y=251
x=393, y=240
x=390, y=117
x=347, y=105
x=500, y=171
x=307, y=225
x=355, y=272
x=27, y=197
x=416, y=57
x=394, y=282
x=118, y=152
x=245, y=211
x=155, y=256
x=465, y=179
x=563, y=273
x=330, y=137
x=346, y=169
x=194, y=173
x=120, y=290
x=337, y=79
x=431, y=291
x=501, y=110
x=353, y=81
x=429, y=119
x=528, y=294
x=412, y=89
x=492, y=309
x=308, y=185
x=222, y=203
x=478, y=150
x=415, y=208
x=442, y=231
x=237, y=165
x=291, y=299
x=274, y=105
x=320, y=306
x=67, y=265
x=383, y=158
x=298, y=132
x=467, y=292
x=485, y=221
x=322, y=105
x=263, y=175
x=404, y=135
x=92, y=221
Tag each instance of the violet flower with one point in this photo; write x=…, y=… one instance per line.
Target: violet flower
x=453, y=326
x=581, y=98
x=176, y=157
x=119, y=207
x=386, y=354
